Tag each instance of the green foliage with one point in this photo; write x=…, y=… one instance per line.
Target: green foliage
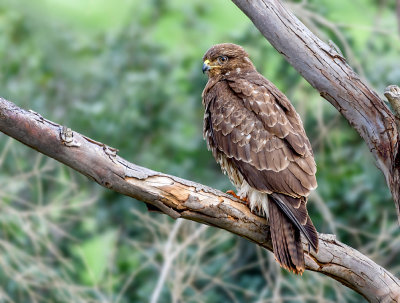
x=128, y=73
x=94, y=254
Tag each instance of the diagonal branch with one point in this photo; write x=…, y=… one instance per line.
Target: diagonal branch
x=181, y=198
x=328, y=72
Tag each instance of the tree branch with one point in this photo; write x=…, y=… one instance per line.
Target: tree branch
x=327, y=71
x=181, y=198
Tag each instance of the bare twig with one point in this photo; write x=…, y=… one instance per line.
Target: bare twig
x=168, y=258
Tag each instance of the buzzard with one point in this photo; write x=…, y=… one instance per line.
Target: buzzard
x=258, y=139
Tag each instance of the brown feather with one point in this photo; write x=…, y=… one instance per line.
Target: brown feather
x=258, y=139
x=285, y=241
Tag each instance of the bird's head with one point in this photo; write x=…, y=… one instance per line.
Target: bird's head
x=225, y=58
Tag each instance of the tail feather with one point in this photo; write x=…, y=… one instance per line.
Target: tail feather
x=279, y=240
x=312, y=234
x=293, y=241
x=286, y=240
x=298, y=216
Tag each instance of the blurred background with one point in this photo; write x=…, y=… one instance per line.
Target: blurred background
x=128, y=73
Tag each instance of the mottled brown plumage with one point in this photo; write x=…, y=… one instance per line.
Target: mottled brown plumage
x=258, y=139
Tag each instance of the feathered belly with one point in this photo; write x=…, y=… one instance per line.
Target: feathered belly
x=228, y=169
x=258, y=200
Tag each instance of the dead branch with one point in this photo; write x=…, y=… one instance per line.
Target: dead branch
x=181, y=198
x=328, y=72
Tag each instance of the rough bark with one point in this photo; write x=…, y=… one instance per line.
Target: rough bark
x=327, y=71
x=185, y=199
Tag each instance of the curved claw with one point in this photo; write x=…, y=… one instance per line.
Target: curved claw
x=245, y=200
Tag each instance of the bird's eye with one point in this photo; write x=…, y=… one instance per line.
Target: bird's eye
x=222, y=59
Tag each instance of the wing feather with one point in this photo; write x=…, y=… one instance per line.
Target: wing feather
x=264, y=139
x=263, y=151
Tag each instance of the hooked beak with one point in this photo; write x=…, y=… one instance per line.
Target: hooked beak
x=206, y=67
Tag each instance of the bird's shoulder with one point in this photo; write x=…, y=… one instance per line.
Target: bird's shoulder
x=271, y=107
x=252, y=84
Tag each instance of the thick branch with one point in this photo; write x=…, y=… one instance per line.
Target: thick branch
x=328, y=72
x=185, y=199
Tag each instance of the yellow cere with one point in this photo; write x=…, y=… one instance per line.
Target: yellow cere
x=207, y=62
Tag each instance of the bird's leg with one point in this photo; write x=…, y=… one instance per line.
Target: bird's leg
x=256, y=210
x=232, y=193
x=245, y=200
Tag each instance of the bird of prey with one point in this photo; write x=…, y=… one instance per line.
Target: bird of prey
x=258, y=139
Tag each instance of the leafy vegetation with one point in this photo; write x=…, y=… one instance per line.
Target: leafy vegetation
x=128, y=73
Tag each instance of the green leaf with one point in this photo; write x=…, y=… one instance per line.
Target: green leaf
x=95, y=254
